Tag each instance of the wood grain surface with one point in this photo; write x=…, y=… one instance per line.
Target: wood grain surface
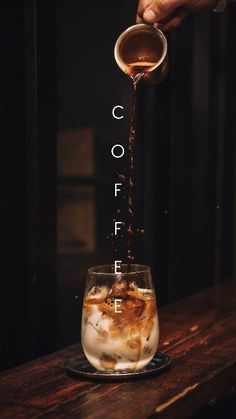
x=199, y=333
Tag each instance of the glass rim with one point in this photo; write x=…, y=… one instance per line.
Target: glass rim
x=96, y=270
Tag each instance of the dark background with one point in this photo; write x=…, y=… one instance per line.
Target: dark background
x=58, y=84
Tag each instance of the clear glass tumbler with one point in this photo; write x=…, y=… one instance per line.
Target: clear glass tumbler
x=120, y=330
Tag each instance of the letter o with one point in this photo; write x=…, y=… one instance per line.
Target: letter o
x=113, y=112
x=117, y=156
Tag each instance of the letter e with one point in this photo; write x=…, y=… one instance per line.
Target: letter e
x=117, y=266
x=118, y=305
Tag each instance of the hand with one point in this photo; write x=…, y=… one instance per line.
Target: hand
x=169, y=13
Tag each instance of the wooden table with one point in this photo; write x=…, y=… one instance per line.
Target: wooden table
x=199, y=333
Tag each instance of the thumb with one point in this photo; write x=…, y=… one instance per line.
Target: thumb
x=160, y=9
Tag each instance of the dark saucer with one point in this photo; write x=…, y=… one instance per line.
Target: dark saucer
x=79, y=366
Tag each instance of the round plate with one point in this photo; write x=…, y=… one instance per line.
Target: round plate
x=79, y=366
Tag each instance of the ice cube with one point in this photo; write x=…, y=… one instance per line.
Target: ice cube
x=98, y=293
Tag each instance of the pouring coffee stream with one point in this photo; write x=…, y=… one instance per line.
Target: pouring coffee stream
x=131, y=144
x=141, y=53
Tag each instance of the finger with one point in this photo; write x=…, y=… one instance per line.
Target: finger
x=160, y=9
x=143, y=4
x=139, y=19
x=175, y=20
x=178, y=12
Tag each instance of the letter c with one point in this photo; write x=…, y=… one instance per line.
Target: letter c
x=113, y=112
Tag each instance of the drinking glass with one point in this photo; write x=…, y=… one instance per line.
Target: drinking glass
x=120, y=329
